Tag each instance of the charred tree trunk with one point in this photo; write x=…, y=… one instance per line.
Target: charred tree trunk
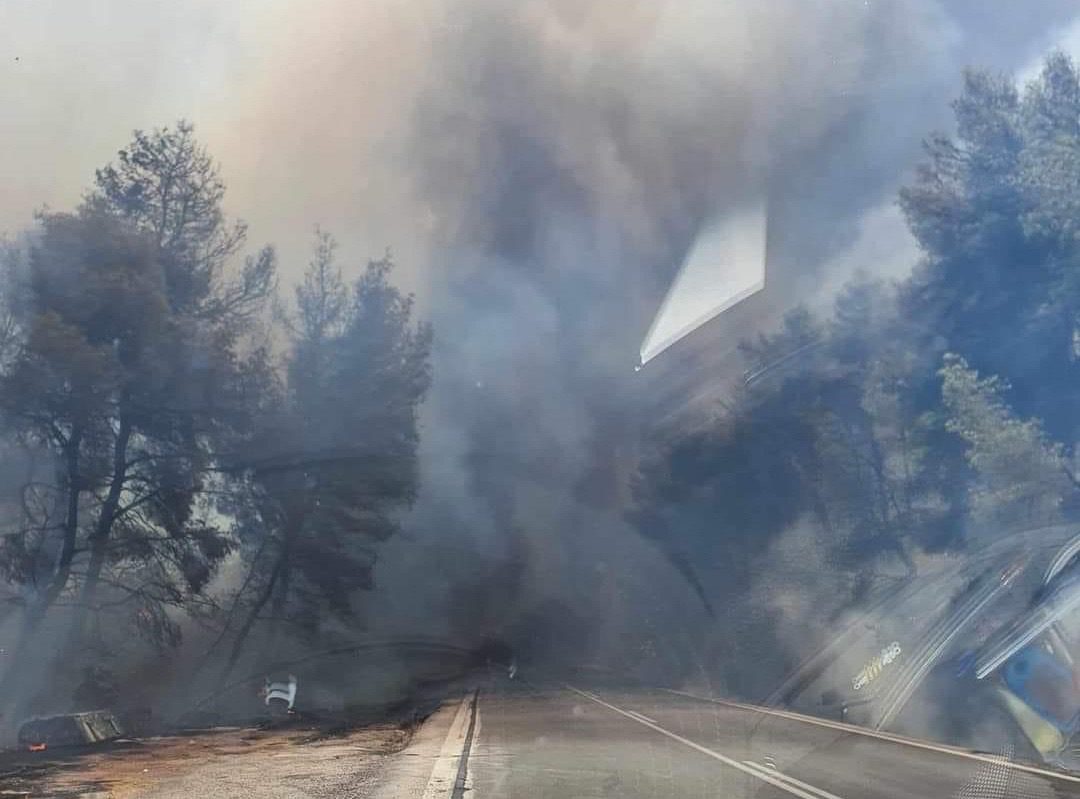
x=275, y=592
x=279, y=605
x=99, y=538
x=62, y=572
x=252, y=617
x=11, y=697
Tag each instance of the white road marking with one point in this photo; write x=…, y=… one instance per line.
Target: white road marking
x=760, y=774
x=445, y=770
x=641, y=717
x=821, y=792
x=884, y=736
x=475, y=740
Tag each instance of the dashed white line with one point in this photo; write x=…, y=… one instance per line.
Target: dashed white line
x=751, y=770
x=820, y=792
x=883, y=736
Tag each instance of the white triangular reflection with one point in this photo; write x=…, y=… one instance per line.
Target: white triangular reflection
x=726, y=264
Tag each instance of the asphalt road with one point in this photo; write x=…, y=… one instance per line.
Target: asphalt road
x=494, y=737
x=570, y=742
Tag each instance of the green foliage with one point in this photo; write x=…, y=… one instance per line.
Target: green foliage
x=165, y=184
x=895, y=435
x=126, y=376
x=335, y=461
x=170, y=435
x=160, y=435
x=995, y=212
x=1021, y=476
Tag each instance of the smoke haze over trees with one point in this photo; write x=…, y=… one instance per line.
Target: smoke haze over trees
x=162, y=432
x=919, y=416
x=198, y=453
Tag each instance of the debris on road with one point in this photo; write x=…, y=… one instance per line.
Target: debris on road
x=69, y=729
x=280, y=696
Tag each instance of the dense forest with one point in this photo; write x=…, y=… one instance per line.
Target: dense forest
x=167, y=411
x=192, y=451
x=922, y=416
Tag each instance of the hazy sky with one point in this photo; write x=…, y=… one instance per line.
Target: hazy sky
x=309, y=106
x=301, y=103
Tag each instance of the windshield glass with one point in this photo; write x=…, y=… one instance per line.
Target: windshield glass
x=540, y=398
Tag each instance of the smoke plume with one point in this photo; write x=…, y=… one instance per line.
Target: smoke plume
x=540, y=169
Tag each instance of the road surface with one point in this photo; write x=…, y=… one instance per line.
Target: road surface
x=514, y=738
x=569, y=741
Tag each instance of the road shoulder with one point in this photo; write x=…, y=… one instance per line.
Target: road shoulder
x=429, y=766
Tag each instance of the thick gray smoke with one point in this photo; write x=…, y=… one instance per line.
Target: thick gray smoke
x=568, y=157
x=540, y=168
